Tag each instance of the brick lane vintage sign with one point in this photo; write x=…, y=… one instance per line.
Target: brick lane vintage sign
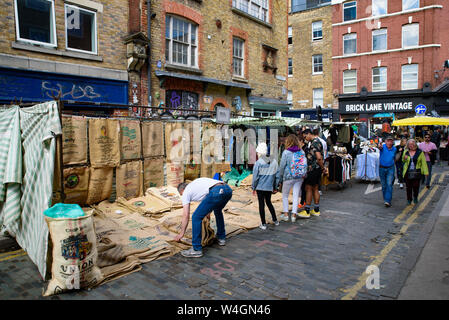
x=377, y=106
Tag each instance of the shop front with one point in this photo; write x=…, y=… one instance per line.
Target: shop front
x=36, y=86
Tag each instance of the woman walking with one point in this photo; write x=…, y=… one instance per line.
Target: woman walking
x=415, y=166
x=398, y=161
x=292, y=170
x=265, y=182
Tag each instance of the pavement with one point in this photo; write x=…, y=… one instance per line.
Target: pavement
x=321, y=258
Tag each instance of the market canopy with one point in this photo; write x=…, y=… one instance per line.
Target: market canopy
x=273, y=121
x=422, y=121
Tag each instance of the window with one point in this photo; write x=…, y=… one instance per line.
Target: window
x=350, y=43
x=290, y=66
x=264, y=113
x=350, y=11
x=380, y=40
x=317, y=64
x=81, y=29
x=301, y=5
x=350, y=81
x=410, y=35
x=410, y=4
x=255, y=8
x=379, y=7
x=237, y=57
x=318, y=97
x=317, y=30
x=181, y=42
x=35, y=22
x=290, y=35
x=409, y=77
x=380, y=79
x=290, y=96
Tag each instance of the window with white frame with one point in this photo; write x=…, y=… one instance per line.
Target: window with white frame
x=410, y=35
x=181, y=42
x=290, y=96
x=350, y=81
x=379, y=7
x=35, y=22
x=290, y=35
x=81, y=29
x=317, y=62
x=379, y=39
x=317, y=30
x=238, y=57
x=290, y=66
x=379, y=79
x=410, y=4
x=350, y=43
x=409, y=77
x=256, y=8
x=318, y=98
x=349, y=10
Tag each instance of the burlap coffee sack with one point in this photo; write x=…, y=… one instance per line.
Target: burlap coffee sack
x=100, y=185
x=168, y=194
x=113, y=210
x=76, y=185
x=207, y=233
x=152, y=138
x=192, y=169
x=146, y=205
x=230, y=229
x=175, y=173
x=153, y=173
x=207, y=170
x=135, y=221
x=177, y=142
x=129, y=180
x=104, y=142
x=74, y=255
x=74, y=140
x=130, y=140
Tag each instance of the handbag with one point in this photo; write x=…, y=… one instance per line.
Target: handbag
x=414, y=174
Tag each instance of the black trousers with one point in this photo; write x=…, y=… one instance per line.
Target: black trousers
x=303, y=194
x=264, y=197
x=412, y=186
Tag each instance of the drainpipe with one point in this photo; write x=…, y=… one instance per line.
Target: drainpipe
x=149, y=50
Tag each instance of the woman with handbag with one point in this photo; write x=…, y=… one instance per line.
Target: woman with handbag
x=415, y=166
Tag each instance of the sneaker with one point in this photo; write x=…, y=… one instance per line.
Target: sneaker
x=315, y=213
x=415, y=200
x=192, y=253
x=221, y=242
x=284, y=217
x=293, y=217
x=301, y=206
x=276, y=223
x=401, y=186
x=263, y=227
x=303, y=214
x=409, y=202
x=387, y=204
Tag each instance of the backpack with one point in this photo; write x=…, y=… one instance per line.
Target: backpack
x=298, y=167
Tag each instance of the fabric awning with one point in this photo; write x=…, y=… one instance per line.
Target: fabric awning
x=273, y=121
x=422, y=121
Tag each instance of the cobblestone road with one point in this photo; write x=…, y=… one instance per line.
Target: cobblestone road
x=321, y=258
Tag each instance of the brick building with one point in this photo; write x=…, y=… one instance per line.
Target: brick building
x=206, y=54
x=389, y=57
x=310, y=58
x=72, y=47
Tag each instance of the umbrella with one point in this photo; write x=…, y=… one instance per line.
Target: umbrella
x=422, y=121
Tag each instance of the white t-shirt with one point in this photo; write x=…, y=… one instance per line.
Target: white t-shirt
x=324, y=147
x=198, y=189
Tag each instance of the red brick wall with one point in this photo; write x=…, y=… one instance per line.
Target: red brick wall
x=432, y=26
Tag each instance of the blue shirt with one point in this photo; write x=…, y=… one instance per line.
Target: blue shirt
x=387, y=156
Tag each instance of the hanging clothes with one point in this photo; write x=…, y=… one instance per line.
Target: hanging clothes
x=368, y=166
x=39, y=125
x=10, y=170
x=344, y=134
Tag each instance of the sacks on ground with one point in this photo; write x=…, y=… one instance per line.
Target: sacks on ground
x=74, y=140
x=174, y=225
x=247, y=181
x=130, y=140
x=104, y=142
x=100, y=185
x=74, y=254
x=169, y=194
x=76, y=185
x=112, y=210
x=146, y=205
x=129, y=180
x=135, y=221
x=175, y=173
x=153, y=173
